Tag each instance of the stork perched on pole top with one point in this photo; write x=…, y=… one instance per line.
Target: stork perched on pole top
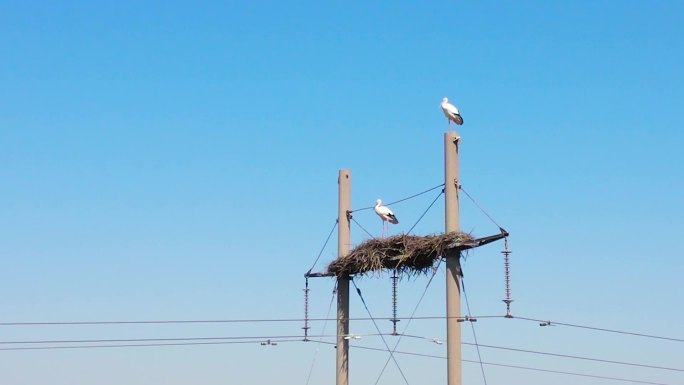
x=385, y=214
x=451, y=112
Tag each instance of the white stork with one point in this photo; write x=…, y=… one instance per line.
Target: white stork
x=385, y=214
x=451, y=112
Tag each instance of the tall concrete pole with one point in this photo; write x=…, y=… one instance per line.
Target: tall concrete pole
x=343, y=207
x=453, y=263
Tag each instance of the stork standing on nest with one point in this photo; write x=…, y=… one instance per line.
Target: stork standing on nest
x=451, y=112
x=385, y=214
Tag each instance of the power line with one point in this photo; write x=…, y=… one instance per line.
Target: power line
x=260, y=341
x=378, y=328
x=324, y=245
x=548, y=323
x=160, y=339
x=415, y=195
x=478, y=345
x=472, y=325
x=362, y=228
x=574, y=357
x=189, y=341
x=425, y=212
x=412, y=227
x=251, y=339
x=569, y=373
x=124, y=340
x=460, y=187
x=402, y=199
x=313, y=363
x=395, y=351
x=244, y=320
x=266, y=320
x=520, y=367
x=411, y=318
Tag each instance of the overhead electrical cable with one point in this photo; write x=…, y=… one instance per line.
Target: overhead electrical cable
x=318, y=344
x=520, y=367
x=324, y=245
x=576, y=357
x=363, y=301
x=460, y=187
x=210, y=321
x=402, y=199
x=411, y=318
x=258, y=341
x=549, y=323
x=425, y=212
x=361, y=227
x=472, y=325
x=267, y=320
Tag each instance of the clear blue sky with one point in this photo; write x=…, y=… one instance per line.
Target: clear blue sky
x=178, y=161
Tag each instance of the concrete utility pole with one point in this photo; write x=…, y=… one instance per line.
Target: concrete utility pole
x=453, y=263
x=343, y=207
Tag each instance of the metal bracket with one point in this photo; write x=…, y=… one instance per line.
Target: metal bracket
x=482, y=241
x=319, y=275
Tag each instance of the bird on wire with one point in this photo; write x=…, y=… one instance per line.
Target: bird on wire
x=385, y=214
x=451, y=112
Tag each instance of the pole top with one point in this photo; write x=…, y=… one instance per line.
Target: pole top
x=452, y=136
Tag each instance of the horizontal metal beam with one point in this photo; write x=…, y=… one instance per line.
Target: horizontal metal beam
x=318, y=275
x=483, y=241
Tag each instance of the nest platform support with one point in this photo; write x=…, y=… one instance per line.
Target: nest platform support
x=407, y=254
x=410, y=255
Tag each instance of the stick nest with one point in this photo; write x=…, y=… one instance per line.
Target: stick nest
x=411, y=255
